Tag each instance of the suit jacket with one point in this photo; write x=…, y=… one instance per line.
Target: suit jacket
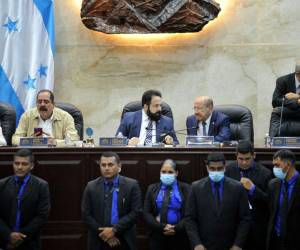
x=260, y=176
x=292, y=238
x=35, y=208
x=129, y=208
x=284, y=85
x=151, y=211
x=219, y=126
x=131, y=126
x=218, y=230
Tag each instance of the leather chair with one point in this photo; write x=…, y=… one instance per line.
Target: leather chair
x=241, y=121
x=75, y=113
x=290, y=123
x=137, y=105
x=7, y=121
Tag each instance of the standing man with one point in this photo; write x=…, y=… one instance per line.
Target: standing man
x=208, y=122
x=25, y=205
x=284, y=203
x=110, y=207
x=218, y=216
x=148, y=125
x=255, y=178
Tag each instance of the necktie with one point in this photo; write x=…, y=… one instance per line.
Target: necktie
x=165, y=205
x=204, y=128
x=284, y=210
x=217, y=196
x=148, y=139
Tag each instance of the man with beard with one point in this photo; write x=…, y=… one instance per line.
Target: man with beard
x=46, y=120
x=148, y=125
x=208, y=122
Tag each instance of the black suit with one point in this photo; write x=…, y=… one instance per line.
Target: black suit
x=157, y=239
x=218, y=231
x=129, y=208
x=260, y=176
x=35, y=208
x=285, y=84
x=292, y=238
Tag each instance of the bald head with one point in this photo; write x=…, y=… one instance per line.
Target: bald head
x=203, y=107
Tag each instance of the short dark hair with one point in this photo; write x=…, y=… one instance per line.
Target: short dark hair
x=48, y=91
x=215, y=157
x=147, y=96
x=245, y=147
x=111, y=154
x=25, y=152
x=285, y=155
x=171, y=163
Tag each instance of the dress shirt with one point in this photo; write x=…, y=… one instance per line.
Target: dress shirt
x=200, y=129
x=46, y=125
x=2, y=139
x=297, y=85
x=112, y=188
x=221, y=188
x=143, y=131
x=245, y=173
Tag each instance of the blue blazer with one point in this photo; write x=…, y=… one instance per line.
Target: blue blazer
x=131, y=126
x=219, y=126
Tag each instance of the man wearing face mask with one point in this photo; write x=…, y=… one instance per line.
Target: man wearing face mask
x=284, y=203
x=208, y=122
x=255, y=178
x=218, y=216
x=148, y=125
x=164, y=210
x=50, y=121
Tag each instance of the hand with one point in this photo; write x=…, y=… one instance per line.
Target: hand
x=133, y=141
x=16, y=239
x=106, y=233
x=234, y=247
x=247, y=183
x=169, y=229
x=113, y=242
x=52, y=142
x=199, y=247
x=291, y=96
x=168, y=140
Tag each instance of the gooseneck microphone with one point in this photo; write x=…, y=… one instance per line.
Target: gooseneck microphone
x=178, y=131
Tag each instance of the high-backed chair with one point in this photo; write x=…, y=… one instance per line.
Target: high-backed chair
x=75, y=113
x=7, y=121
x=137, y=105
x=241, y=121
x=290, y=122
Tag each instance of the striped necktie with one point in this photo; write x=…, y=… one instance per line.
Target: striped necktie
x=148, y=139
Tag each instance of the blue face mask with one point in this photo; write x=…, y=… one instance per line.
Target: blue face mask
x=279, y=173
x=167, y=179
x=216, y=176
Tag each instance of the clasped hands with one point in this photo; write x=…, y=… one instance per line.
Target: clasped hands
x=135, y=141
x=108, y=235
x=291, y=96
x=169, y=229
x=201, y=247
x=16, y=240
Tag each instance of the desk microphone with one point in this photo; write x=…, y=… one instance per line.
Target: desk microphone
x=178, y=131
x=281, y=113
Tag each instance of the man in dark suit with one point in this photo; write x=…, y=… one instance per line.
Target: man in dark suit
x=218, y=216
x=284, y=203
x=110, y=207
x=148, y=125
x=255, y=178
x=25, y=205
x=207, y=122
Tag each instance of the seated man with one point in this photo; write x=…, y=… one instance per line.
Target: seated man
x=148, y=125
x=2, y=139
x=56, y=123
x=208, y=122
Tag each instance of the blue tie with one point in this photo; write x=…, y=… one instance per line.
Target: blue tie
x=204, y=128
x=148, y=139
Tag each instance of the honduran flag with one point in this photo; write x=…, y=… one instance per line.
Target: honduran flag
x=26, y=51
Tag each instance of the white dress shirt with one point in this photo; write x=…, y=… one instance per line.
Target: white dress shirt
x=46, y=125
x=2, y=139
x=297, y=84
x=200, y=129
x=143, y=132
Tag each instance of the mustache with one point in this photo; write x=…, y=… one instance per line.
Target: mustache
x=43, y=109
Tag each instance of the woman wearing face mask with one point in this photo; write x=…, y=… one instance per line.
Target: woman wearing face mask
x=164, y=210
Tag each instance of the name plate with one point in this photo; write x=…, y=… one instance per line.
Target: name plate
x=113, y=141
x=199, y=141
x=287, y=142
x=34, y=142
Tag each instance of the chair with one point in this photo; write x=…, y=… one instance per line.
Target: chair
x=7, y=121
x=75, y=113
x=290, y=123
x=241, y=121
x=137, y=105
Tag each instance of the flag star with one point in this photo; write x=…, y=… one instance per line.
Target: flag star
x=30, y=82
x=42, y=70
x=11, y=25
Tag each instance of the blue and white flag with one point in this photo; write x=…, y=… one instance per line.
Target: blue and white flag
x=26, y=51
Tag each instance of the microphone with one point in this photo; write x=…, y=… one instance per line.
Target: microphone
x=281, y=113
x=178, y=131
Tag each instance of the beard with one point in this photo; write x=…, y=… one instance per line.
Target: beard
x=154, y=116
x=43, y=109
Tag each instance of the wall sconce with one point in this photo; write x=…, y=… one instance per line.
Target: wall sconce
x=148, y=16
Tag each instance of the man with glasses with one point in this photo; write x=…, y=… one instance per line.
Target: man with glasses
x=46, y=120
x=207, y=122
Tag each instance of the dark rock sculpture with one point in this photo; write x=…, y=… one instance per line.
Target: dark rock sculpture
x=148, y=16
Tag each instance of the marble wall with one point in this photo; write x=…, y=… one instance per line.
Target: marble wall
x=235, y=59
